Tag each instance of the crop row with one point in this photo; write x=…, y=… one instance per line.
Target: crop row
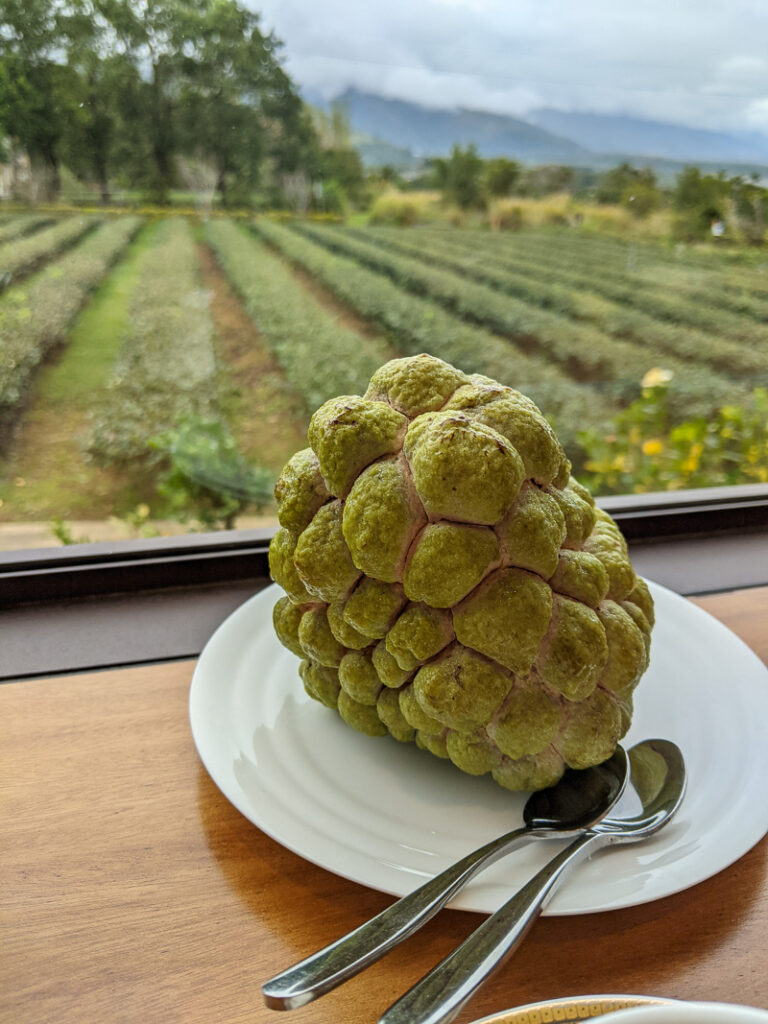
x=619, y=263
x=659, y=339
x=551, y=265
x=319, y=356
x=35, y=316
x=634, y=254
x=23, y=224
x=582, y=351
x=166, y=366
x=646, y=269
x=416, y=324
x=25, y=254
x=717, y=284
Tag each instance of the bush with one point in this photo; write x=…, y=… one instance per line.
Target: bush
x=23, y=255
x=166, y=367
x=641, y=199
x=402, y=209
x=506, y=215
x=19, y=226
x=642, y=452
x=418, y=324
x=36, y=316
x=206, y=478
x=539, y=319
x=320, y=357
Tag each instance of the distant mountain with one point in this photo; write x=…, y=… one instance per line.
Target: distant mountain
x=633, y=136
x=427, y=131
x=402, y=134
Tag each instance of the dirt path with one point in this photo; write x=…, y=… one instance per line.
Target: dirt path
x=267, y=416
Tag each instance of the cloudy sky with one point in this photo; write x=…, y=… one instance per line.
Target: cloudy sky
x=690, y=61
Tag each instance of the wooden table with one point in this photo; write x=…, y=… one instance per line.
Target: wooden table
x=134, y=892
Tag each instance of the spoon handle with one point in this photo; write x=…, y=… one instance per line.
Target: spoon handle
x=343, y=959
x=441, y=993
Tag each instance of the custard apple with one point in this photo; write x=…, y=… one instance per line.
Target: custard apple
x=447, y=581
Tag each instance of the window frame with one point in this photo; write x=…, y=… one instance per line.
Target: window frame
x=84, y=571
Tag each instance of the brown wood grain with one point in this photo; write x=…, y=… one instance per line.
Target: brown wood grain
x=132, y=891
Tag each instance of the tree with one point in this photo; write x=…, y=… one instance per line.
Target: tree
x=35, y=89
x=345, y=167
x=750, y=208
x=151, y=35
x=332, y=126
x=617, y=184
x=127, y=87
x=460, y=177
x=501, y=175
x=546, y=179
x=102, y=81
x=236, y=97
x=700, y=199
x=214, y=89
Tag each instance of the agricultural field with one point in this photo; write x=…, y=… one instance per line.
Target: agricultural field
x=162, y=369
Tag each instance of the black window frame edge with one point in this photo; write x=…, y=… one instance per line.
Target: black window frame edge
x=83, y=571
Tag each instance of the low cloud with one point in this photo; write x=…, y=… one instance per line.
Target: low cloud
x=699, y=63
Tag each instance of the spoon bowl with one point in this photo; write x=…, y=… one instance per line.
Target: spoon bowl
x=578, y=801
x=659, y=769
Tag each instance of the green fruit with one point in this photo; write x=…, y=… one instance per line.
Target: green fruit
x=449, y=583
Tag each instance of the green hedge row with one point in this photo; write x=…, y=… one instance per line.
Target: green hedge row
x=35, y=316
x=23, y=255
x=583, y=352
x=610, y=274
x=418, y=325
x=23, y=224
x=696, y=295
x=319, y=356
x=166, y=367
x=657, y=339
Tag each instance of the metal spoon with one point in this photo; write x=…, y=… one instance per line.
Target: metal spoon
x=441, y=994
x=576, y=802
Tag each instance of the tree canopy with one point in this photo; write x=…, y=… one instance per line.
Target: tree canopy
x=122, y=90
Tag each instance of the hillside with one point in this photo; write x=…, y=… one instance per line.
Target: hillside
x=609, y=134
x=427, y=131
x=402, y=133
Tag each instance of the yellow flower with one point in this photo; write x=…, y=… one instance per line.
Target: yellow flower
x=656, y=377
x=691, y=464
x=653, y=446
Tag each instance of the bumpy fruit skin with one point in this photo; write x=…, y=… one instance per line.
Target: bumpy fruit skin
x=449, y=583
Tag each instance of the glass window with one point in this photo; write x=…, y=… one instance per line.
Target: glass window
x=216, y=216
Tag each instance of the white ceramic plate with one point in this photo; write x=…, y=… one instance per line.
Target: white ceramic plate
x=389, y=815
x=689, y=1013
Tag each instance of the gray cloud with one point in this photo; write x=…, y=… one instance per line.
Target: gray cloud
x=694, y=61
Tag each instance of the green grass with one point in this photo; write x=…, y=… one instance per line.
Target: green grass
x=94, y=343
